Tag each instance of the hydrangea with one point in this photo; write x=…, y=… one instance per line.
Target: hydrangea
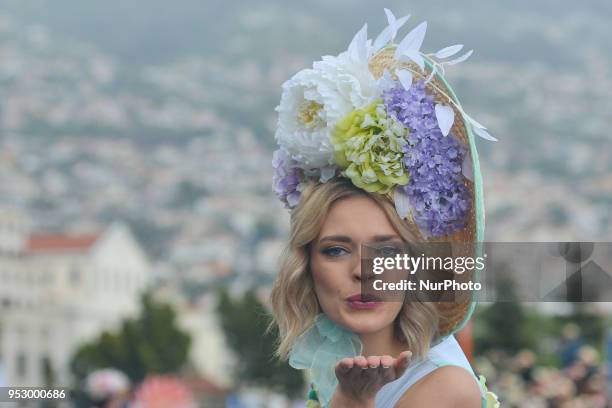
x=287, y=178
x=437, y=194
x=368, y=145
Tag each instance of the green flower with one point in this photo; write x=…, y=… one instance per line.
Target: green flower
x=313, y=399
x=490, y=397
x=368, y=145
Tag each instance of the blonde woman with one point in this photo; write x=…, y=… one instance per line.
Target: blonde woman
x=374, y=150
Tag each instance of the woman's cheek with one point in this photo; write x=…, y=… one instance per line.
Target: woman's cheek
x=328, y=283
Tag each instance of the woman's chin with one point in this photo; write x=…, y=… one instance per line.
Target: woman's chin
x=363, y=322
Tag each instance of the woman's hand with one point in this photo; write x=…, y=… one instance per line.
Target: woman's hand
x=360, y=378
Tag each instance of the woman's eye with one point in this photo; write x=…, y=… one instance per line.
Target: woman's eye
x=334, y=251
x=388, y=251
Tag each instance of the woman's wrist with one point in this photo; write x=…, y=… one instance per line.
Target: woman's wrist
x=342, y=400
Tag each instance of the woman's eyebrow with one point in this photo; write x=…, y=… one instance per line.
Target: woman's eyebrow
x=341, y=238
x=344, y=238
x=379, y=238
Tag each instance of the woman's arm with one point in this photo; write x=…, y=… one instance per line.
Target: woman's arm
x=445, y=387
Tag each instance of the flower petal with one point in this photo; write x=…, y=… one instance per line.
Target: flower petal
x=445, y=116
x=412, y=41
x=385, y=81
x=459, y=59
x=405, y=78
x=466, y=168
x=358, y=48
x=484, y=134
x=392, y=22
x=327, y=173
x=414, y=56
x=431, y=74
x=449, y=51
x=388, y=34
x=402, y=202
x=473, y=122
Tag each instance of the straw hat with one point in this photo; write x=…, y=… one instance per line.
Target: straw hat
x=453, y=314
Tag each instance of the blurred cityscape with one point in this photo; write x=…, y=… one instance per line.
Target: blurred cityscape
x=135, y=150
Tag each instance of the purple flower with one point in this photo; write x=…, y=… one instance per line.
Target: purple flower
x=286, y=179
x=436, y=190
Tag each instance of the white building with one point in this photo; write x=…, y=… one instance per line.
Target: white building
x=209, y=352
x=57, y=291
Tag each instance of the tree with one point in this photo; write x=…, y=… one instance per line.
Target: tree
x=244, y=322
x=152, y=343
x=503, y=325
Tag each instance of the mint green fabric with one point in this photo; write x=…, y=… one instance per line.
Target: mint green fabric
x=319, y=349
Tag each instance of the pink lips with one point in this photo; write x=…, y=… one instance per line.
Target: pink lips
x=365, y=302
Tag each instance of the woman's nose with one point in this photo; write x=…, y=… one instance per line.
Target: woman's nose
x=356, y=269
x=361, y=269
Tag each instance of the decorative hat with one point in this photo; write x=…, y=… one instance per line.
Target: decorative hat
x=382, y=115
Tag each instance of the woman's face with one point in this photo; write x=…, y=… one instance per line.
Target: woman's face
x=335, y=260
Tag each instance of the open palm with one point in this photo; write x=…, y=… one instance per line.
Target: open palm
x=360, y=378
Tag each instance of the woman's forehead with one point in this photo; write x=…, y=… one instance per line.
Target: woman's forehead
x=359, y=217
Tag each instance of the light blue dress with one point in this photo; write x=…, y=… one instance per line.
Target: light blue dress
x=447, y=352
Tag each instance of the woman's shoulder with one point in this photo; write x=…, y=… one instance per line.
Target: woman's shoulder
x=444, y=367
x=448, y=385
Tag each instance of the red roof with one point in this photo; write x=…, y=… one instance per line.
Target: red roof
x=60, y=242
x=200, y=384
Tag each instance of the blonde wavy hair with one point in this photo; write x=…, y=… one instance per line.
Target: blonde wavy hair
x=293, y=300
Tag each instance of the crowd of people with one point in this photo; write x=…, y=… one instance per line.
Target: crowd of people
x=580, y=381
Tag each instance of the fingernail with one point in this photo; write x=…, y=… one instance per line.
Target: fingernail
x=372, y=366
x=385, y=366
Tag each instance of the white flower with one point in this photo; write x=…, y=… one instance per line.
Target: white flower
x=303, y=120
x=313, y=100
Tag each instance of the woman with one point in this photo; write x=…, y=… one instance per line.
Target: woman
x=369, y=158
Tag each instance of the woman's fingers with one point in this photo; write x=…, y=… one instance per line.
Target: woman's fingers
x=344, y=365
x=373, y=369
x=361, y=361
x=373, y=361
x=386, y=369
x=402, y=362
x=386, y=361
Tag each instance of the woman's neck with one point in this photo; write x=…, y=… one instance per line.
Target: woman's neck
x=381, y=343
